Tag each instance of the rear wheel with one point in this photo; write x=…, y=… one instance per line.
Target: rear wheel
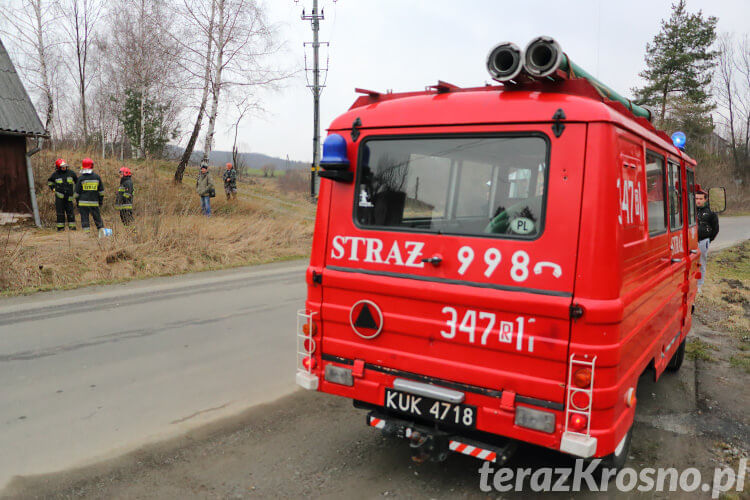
x=617, y=459
x=679, y=356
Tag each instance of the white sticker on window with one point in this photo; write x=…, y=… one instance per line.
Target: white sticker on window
x=364, y=200
x=522, y=225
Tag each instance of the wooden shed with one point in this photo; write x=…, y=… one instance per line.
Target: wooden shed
x=18, y=121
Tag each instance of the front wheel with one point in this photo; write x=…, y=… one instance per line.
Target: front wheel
x=679, y=356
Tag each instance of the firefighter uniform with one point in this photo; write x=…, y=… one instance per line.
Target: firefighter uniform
x=89, y=194
x=124, y=201
x=63, y=184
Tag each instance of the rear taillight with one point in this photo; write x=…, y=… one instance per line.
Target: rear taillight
x=310, y=329
x=309, y=345
x=582, y=378
x=309, y=363
x=577, y=422
x=580, y=400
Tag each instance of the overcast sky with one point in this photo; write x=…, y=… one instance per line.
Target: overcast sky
x=406, y=45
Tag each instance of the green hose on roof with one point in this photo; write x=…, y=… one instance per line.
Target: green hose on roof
x=543, y=56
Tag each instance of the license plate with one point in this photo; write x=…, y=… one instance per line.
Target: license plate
x=432, y=409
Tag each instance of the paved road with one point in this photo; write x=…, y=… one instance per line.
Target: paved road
x=92, y=373
x=731, y=230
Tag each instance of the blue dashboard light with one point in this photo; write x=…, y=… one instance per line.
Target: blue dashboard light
x=334, y=153
x=679, y=140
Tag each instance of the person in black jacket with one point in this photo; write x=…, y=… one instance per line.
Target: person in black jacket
x=124, y=200
x=89, y=194
x=708, y=229
x=63, y=183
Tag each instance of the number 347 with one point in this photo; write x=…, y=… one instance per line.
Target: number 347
x=470, y=325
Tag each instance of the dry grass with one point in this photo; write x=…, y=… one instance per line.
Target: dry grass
x=724, y=302
x=169, y=236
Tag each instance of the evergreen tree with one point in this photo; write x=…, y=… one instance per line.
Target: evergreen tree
x=155, y=123
x=679, y=65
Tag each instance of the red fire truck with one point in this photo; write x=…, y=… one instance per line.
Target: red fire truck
x=500, y=264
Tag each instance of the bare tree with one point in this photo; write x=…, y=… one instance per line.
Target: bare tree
x=242, y=110
x=732, y=94
x=244, y=107
x=80, y=21
x=743, y=65
x=195, y=14
x=243, y=40
x=30, y=22
x=141, y=63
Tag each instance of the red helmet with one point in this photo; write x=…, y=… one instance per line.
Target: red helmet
x=87, y=163
x=59, y=163
x=229, y=166
x=125, y=171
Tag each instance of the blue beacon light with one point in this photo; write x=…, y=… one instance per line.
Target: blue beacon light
x=334, y=153
x=679, y=140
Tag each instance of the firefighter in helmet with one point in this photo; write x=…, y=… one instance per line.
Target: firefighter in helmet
x=124, y=201
x=63, y=183
x=89, y=194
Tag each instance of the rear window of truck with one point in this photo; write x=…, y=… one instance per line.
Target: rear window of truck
x=477, y=186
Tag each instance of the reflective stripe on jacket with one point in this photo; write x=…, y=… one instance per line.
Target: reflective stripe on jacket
x=63, y=183
x=124, y=200
x=89, y=190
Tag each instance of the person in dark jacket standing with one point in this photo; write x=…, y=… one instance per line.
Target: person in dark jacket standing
x=63, y=183
x=230, y=181
x=708, y=229
x=124, y=200
x=89, y=194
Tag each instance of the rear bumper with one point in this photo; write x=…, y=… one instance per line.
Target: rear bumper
x=495, y=413
x=496, y=409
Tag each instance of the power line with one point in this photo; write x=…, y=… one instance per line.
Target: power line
x=316, y=86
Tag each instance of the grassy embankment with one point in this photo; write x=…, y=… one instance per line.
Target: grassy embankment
x=170, y=236
x=724, y=306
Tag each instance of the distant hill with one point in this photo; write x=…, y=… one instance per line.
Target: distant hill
x=251, y=160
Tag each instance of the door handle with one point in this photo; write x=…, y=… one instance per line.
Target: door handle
x=693, y=251
x=435, y=260
x=675, y=261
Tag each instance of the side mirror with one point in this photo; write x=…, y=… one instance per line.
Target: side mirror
x=717, y=199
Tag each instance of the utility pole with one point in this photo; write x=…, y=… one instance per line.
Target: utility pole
x=316, y=87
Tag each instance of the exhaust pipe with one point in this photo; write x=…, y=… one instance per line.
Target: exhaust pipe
x=504, y=62
x=543, y=56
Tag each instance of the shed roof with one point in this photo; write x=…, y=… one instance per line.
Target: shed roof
x=17, y=113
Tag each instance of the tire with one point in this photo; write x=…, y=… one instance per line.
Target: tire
x=617, y=459
x=677, y=358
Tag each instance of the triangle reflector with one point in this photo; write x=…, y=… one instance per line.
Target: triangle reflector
x=365, y=319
